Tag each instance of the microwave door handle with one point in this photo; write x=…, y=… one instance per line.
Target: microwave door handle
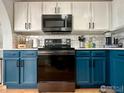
x=65, y=22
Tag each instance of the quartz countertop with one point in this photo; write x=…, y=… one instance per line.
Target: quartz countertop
x=22, y=49
x=75, y=49
x=99, y=48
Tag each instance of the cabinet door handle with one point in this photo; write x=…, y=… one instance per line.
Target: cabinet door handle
x=17, y=63
x=58, y=9
x=94, y=63
x=55, y=9
x=93, y=25
x=90, y=64
x=26, y=26
x=29, y=25
x=89, y=25
x=22, y=63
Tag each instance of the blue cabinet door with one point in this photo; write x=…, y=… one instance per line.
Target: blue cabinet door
x=82, y=70
x=28, y=71
x=98, y=70
x=11, y=71
x=117, y=72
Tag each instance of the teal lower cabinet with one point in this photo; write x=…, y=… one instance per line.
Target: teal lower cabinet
x=11, y=74
x=117, y=70
x=28, y=72
x=20, y=72
x=90, y=70
x=98, y=70
x=82, y=70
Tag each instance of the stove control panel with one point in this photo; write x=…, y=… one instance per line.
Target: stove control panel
x=57, y=43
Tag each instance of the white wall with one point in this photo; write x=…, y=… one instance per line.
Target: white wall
x=6, y=28
x=9, y=8
x=1, y=37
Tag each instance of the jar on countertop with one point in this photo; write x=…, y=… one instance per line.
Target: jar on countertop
x=89, y=43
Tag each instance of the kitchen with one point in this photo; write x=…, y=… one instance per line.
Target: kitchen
x=94, y=31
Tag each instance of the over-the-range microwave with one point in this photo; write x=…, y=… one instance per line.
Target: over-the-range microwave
x=57, y=23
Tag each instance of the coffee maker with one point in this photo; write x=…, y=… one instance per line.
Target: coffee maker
x=108, y=39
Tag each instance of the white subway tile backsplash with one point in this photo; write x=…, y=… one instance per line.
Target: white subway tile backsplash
x=99, y=40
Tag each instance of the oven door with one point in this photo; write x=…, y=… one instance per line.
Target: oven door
x=56, y=68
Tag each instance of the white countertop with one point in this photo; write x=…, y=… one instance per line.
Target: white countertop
x=75, y=49
x=22, y=49
x=99, y=48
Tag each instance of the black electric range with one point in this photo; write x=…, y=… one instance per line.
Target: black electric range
x=56, y=69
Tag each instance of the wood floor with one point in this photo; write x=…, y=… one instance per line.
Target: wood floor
x=4, y=90
x=89, y=90
x=36, y=91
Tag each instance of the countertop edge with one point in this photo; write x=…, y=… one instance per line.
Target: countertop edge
x=99, y=48
x=22, y=49
x=75, y=49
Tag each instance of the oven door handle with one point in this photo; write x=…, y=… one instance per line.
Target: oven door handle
x=57, y=53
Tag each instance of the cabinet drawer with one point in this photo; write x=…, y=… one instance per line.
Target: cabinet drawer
x=98, y=53
x=83, y=53
x=118, y=54
x=29, y=53
x=11, y=54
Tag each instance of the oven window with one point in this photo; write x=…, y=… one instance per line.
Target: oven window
x=54, y=23
x=56, y=68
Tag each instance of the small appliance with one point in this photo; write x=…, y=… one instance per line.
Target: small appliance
x=57, y=23
x=108, y=39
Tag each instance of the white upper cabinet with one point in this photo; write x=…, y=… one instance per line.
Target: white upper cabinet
x=27, y=16
x=35, y=16
x=81, y=15
x=118, y=14
x=57, y=8
x=91, y=16
x=100, y=15
x=49, y=7
x=20, y=17
x=65, y=7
